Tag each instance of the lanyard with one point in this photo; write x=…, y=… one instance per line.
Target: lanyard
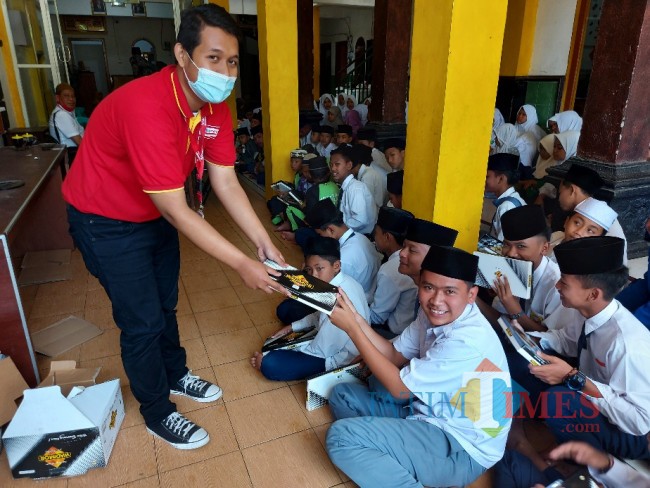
x=196, y=142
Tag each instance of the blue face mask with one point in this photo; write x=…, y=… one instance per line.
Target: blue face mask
x=211, y=86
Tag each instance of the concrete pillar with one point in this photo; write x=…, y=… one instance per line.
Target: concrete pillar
x=455, y=58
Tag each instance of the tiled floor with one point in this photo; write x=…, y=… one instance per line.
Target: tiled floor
x=261, y=434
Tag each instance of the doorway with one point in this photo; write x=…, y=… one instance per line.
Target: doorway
x=89, y=71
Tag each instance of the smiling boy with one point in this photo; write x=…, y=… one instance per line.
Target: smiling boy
x=376, y=440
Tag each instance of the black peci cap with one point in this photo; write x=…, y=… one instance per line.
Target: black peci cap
x=451, y=262
x=322, y=214
x=523, y=222
x=425, y=232
x=344, y=129
x=395, y=142
x=590, y=255
x=585, y=178
x=503, y=162
x=394, y=182
x=394, y=220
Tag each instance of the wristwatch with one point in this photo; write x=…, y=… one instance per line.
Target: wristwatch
x=576, y=381
x=515, y=316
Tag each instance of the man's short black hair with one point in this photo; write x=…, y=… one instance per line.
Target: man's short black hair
x=194, y=19
x=611, y=283
x=399, y=238
x=320, y=175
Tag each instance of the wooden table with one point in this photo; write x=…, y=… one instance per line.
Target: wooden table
x=32, y=218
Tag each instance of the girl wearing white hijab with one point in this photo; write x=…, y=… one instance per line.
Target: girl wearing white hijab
x=341, y=98
x=497, y=120
x=565, y=145
x=509, y=141
x=352, y=116
x=564, y=121
x=326, y=102
x=527, y=122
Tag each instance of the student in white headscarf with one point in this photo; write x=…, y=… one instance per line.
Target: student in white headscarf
x=565, y=121
x=565, y=146
x=341, y=98
x=352, y=117
x=527, y=122
x=497, y=120
x=362, y=108
x=325, y=102
x=334, y=118
x=508, y=140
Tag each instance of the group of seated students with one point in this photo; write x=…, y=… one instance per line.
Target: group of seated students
x=447, y=396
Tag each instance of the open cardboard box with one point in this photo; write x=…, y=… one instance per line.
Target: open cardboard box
x=51, y=435
x=66, y=375
x=12, y=386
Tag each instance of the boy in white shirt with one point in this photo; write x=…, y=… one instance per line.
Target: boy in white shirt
x=394, y=183
x=331, y=348
x=368, y=137
x=326, y=145
x=502, y=174
x=364, y=172
x=401, y=429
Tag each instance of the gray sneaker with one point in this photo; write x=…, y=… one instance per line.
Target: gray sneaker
x=180, y=432
x=199, y=390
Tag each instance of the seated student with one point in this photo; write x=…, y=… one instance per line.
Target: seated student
x=326, y=146
x=564, y=121
x=636, y=297
x=526, y=237
x=355, y=200
x=515, y=471
x=334, y=117
x=352, y=115
x=63, y=126
x=605, y=399
x=501, y=175
x=368, y=137
x=527, y=122
x=331, y=348
x=522, y=144
x=408, y=427
x=591, y=218
x=343, y=134
x=392, y=307
x=394, y=151
x=258, y=169
x=364, y=172
x=359, y=258
x=578, y=184
x=420, y=236
x=394, y=183
x=246, y=150
x=304, y=131
x=277, y=206
x=326, y=102
x=314, y=138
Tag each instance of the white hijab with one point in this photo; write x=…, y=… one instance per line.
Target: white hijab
x=342, y=107
x=543, y=164
x=568, y=120
x=507, y=135
x=531, y=123
x=321, y=108
x=497, y=120
x=569, y=141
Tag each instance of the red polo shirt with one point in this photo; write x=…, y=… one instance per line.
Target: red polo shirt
x=137, y=142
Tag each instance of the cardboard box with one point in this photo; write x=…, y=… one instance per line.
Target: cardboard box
x=66, y=375
x=63, y=335
x=12, y=386
x=51, y=435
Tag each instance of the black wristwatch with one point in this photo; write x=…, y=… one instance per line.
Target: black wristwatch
x=576, y=381
x=515, y=316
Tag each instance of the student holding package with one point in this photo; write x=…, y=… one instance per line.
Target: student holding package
x=396, y=431
x=331, y=348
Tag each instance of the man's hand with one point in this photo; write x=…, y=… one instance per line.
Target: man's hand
x=552, y=373
x=509, y=301
x=581, y=453
x=255, y=275
x=268, y=251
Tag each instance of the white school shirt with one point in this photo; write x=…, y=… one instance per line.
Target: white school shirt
x=375, y=182
x=544, y=298
x=621, y=475
x=67, y=125
x=617, y=231
x=379, y=162
x=325, y=151
x=357, y=205
x=441, y=361
x=360, y=260
x=395, y=297
x=616, y=361
x=503, y=208
x=331, y=343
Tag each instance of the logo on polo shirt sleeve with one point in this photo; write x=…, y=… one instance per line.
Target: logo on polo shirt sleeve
x=211, y=131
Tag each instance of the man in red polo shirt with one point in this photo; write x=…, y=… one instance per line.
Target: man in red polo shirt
x=127, y=203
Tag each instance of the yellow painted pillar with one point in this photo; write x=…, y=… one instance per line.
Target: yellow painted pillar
x=316, y=28
x=278, y=38
x=519, y=37
x=455, y=57
x=232, y=99
x=14, y=106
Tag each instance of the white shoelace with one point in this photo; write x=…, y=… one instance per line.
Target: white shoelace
x=178, y=424
x=191, y=381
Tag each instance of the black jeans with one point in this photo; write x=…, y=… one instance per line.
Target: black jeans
x=138, y=265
